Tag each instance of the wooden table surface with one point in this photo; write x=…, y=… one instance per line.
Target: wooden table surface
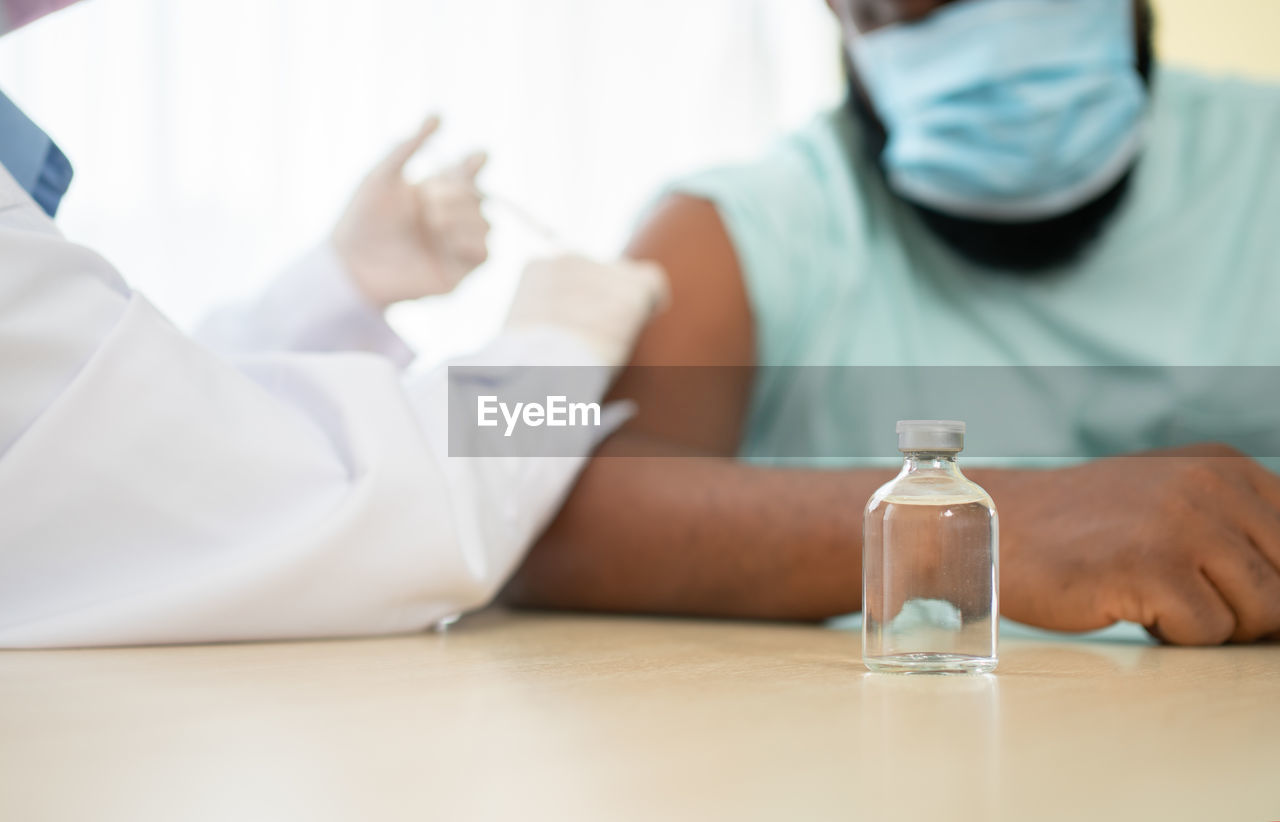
x=539, y=716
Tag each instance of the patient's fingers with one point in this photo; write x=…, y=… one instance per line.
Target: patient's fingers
x=1249, y=583
x=1191, y=611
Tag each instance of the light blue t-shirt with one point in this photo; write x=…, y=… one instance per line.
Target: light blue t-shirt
x=841, y=273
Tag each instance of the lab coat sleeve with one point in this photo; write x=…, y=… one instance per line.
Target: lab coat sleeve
x=312, y=306
x=152, y=492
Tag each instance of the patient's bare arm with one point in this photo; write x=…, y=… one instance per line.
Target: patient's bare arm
x=690, y=530
x=1187, y=543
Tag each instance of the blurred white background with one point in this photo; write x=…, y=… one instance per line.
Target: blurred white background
x=213, y=140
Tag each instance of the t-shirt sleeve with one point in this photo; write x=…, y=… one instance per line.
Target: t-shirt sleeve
x=763, y=208
x=788, y=218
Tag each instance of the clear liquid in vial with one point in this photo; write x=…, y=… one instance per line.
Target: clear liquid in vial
x=928, y=599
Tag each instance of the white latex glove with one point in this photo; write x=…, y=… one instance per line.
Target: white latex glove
x=402, y=240
x=604, y=304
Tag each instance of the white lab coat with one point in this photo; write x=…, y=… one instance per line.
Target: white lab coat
x=154, y=491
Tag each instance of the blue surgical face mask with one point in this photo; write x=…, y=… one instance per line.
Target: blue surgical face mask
x=1006, y=110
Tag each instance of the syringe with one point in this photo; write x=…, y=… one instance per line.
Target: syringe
x=534, y=224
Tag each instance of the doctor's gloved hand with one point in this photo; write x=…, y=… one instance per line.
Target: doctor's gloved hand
x=606, y=305
x=401, y=240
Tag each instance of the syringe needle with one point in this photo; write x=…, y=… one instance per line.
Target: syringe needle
x=531, y=222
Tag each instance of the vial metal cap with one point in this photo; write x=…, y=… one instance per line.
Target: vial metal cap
x=930, y=435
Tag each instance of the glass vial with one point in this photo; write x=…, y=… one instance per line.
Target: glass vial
x=930, y=571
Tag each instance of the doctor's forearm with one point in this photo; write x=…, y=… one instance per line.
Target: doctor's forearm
x=704, y=536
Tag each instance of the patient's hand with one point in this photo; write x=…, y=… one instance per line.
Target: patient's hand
x=1185, y=542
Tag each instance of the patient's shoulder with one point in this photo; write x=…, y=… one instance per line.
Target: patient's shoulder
x=784, y=200
x=749, y=246
x=791, y=222
x=708, y=321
